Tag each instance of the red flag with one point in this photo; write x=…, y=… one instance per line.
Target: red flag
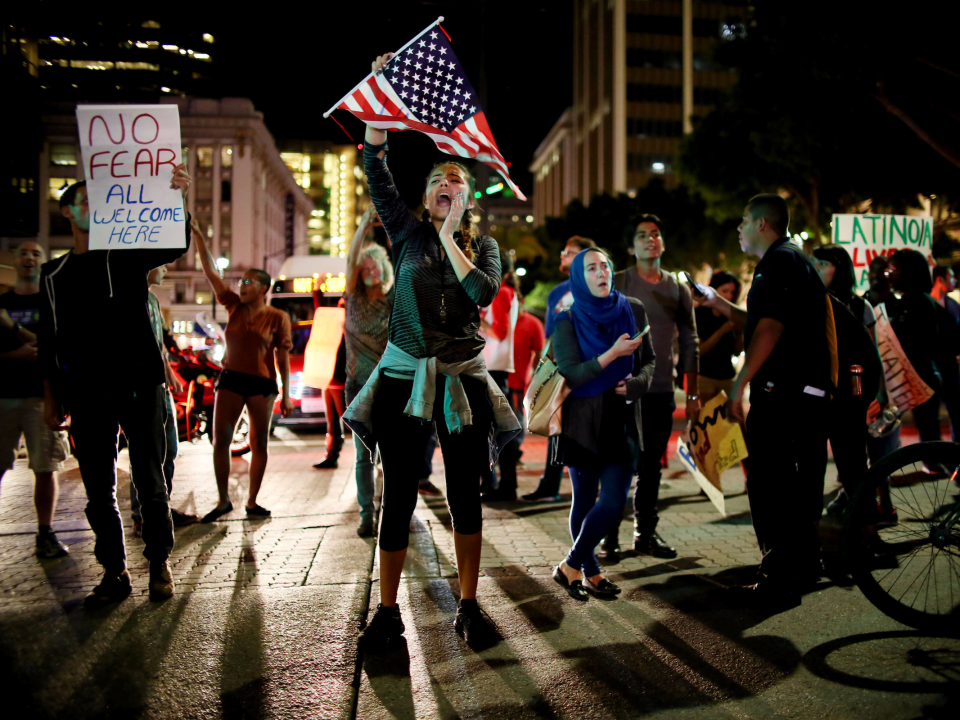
x=424, y=88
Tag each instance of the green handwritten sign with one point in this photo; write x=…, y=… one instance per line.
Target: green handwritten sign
x=867, y=236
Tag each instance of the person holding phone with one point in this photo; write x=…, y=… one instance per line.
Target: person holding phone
x=607, y=365
x=719, y=339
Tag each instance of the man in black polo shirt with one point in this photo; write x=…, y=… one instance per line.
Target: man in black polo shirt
x=788, y=368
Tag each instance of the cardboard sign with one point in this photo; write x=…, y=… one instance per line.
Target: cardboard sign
x=904, y=386
x=690, y=465
x=129, y=154
x=867, y=236
x=716, y=443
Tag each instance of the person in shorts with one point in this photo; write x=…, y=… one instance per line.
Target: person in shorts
x=21, y=395
x=258, y=341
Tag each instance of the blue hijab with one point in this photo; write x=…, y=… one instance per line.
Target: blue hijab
x=599, y=323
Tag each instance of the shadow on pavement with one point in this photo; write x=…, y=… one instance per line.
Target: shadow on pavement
x=903, y=661
x=243, y=664
x=389, y=676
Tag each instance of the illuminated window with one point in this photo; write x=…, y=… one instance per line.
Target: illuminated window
x=226, y=156
x=207, y=37
x=57, y=186
x=92, y=64
x=203, y=298
x=205, y=157
x=152, y=24
x=137, y=66
x=63, y=155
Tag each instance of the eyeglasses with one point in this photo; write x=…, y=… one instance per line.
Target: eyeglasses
x=569, y=253
x=247, y=281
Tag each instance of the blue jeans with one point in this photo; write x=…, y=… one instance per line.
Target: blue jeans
x=366, y=468
x=173, y=447
x=590, y=519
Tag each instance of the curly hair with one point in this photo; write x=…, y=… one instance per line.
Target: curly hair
x=379, y=255
x=469, y=231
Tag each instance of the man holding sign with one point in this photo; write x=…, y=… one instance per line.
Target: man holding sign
x=110, y=287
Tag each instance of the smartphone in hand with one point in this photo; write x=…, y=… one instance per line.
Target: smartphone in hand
x=695, y=287
x=641, y=333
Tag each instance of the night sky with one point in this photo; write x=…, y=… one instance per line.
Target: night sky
x=298, y=61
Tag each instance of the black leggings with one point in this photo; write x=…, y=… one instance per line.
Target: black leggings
x=402, y=439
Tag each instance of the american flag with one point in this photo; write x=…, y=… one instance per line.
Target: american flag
x=424, y=88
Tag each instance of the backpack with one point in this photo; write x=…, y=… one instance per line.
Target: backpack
x=854, y=347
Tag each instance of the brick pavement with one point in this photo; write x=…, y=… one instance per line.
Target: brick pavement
x=264, y=620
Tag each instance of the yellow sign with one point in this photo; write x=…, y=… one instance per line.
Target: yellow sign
x=303, y=285
x=715, y=442
x=329, y=284
x=334, y=284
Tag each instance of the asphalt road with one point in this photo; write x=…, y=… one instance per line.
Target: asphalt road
x=266, y=615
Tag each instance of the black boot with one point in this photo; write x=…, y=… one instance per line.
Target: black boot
x=647, y=541
x=330, y=461
x=610, y=545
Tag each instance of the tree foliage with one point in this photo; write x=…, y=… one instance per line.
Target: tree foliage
x=811, y=113
x=692, y=238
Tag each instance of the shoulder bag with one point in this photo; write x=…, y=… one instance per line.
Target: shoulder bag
x=544, y=399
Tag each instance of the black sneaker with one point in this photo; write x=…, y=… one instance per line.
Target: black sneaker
x=366, y=528
x=48, y=547
x=328, y=463
x=653, y=544
x=475, y=626
x=386, y=626
x=610, y=550
x=110, y=590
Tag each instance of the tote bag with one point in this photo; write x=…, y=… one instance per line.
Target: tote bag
x=544, y=399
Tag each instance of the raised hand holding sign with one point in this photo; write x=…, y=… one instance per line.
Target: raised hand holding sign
x=129, y=154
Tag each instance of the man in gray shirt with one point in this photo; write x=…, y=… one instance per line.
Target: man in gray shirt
x=669, y=307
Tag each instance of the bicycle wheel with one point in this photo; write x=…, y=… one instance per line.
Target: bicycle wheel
x=909, y=565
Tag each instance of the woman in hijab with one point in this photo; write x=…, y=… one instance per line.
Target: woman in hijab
x=605, y=354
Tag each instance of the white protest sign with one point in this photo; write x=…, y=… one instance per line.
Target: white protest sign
x=867, y=236
x=904, y=386
x=129, y=154
x=690, y=465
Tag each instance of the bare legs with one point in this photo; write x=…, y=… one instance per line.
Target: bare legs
x=45, y=492
x=260, y=410
x=468, y=568
x=391, y=568
x=468, y=549
x=226, y=411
